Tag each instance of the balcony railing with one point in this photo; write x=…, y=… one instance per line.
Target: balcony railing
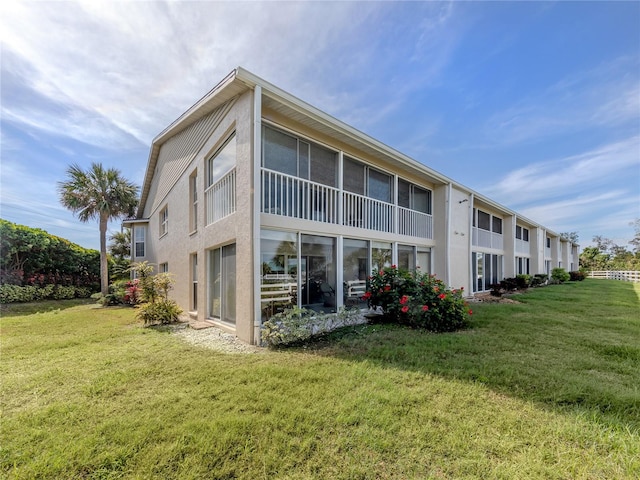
x=487, y=239
x=522, y=246
x=364, y=212
x=416, y=224
x=220, y=198
x=291, y=196
x=295, y=197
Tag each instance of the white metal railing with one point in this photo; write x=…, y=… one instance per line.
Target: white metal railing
x=220, y=198
x=364, y=212
x=487, y=239
x=522, y=246
x=296, y=197
x=416, y=224
x=627, y=276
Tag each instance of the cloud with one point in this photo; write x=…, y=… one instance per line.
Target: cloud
x=577, y=173
x=606, y=96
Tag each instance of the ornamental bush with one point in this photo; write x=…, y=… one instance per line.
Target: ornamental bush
x=576, y=276
x=418, y=300
x=559, y=275
x=154, y=289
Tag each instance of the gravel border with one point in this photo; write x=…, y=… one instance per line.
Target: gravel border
x=214, y=338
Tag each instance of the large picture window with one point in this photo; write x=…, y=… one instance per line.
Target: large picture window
x=355, y=270
x=414, y=197
x=487, y=270
x=223, y=161
x=364, y=180
x=293, y=156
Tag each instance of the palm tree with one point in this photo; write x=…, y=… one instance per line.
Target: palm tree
x=102, y=194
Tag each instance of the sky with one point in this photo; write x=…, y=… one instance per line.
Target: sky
x=533, y=104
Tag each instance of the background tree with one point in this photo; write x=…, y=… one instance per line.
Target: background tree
x=120, y=251
x=571, y=236
x=101, y=194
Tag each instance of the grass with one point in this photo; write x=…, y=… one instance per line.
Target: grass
x=548, y=388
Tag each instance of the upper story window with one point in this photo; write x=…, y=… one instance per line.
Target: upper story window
x=294, y=156
x=139, y=234
x=193, y=199
x=365, y=180
x=164, y=220
x=486, y=221
x=548, y=242
x=522, y=233
x=222, y=161
x=163, y=268
x=414, y=197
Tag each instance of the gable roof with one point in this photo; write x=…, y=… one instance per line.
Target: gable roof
x=240, y=80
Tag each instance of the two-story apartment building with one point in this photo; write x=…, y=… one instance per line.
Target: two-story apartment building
x=255, y=200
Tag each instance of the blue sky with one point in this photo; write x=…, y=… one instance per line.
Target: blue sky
x=534, y=104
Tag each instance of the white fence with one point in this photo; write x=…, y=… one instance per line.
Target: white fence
x=628, y=276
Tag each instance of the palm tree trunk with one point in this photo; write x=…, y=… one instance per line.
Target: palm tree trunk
x=104, y=266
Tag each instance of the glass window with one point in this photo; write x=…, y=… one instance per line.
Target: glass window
x=139, y=240
x=279, y=271
x=518, y=232
x=194, y=282
x=497, y=225
x=353, y=173
x=421, y=200
x=380, y=255
x=323, y=166
x=379, y=186
x=423, y=260
x=164, y=221
x=222, y=284
x=404, y=193
x=484, y=220
x=163, y=268
x=222, y=161
x=355, y=270
x=406, y=257
x=525, y=234
x=318, y=273
x=193, y=198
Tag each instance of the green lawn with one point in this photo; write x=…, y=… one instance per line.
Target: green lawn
x=548, y=388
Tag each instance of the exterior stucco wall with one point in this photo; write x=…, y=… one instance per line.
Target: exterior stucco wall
x=459, y=240
x=177, y=246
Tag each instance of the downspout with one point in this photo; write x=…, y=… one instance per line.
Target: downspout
x=257, y=195
x=471, y=279
x=447, y=232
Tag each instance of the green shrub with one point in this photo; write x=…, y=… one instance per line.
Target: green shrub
x=539, y=279
x=416, y=299
x=61, y=292
x=576, y=276
x=523, y=281
x=160, y=312
x=559, y=275
x=509, y=284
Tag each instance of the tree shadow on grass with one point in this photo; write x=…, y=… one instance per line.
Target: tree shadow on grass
x=586, y=364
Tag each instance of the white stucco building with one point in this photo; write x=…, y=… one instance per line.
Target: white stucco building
x=254, y=199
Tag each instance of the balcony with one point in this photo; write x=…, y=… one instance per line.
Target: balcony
x=295, y=197
x=522, y=246
x=487, y=239
x=220, y=198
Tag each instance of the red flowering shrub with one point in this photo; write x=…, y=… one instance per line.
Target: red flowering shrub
x=418, y=300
